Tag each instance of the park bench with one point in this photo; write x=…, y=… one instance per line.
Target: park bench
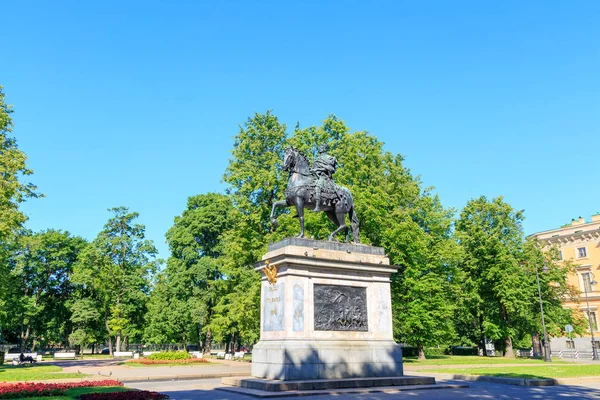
x=239, y=355
x=221, y=355
x=65, y=355
x=196, y=354
x=123, y=354
x=16, y=360
x=148, y=353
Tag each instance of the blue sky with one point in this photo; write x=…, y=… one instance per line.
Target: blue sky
x=136, y=103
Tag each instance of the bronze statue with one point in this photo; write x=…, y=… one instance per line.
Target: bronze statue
x=323, y=167
x=314, y=189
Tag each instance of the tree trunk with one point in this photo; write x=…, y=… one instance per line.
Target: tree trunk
x=509, y=353
x=207, y=342
x=118, y=344
x=34, y=345
x=110, y=348
x=421, y=352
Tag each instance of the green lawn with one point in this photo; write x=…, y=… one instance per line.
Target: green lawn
x=73, y=393
x=11, y=373
x=546, y=371
x=469, y=360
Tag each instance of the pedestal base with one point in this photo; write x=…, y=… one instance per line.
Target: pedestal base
x=326, y=359
x=325, y=384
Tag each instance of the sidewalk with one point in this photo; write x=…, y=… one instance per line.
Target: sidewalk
x=124, y=373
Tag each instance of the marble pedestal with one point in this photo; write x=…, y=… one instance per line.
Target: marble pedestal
x=328, y=315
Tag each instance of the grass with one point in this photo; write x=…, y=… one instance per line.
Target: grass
x=11, y=373
x=546, y=371
x=470, y=360
x=73, y=393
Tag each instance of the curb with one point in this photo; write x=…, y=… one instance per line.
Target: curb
x=178, y=377
x=498, y=379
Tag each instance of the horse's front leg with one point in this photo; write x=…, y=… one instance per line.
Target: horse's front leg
x=280, y=203
x=300, y=211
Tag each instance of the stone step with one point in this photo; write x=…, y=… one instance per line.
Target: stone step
x=269, y=385
x=379, y=389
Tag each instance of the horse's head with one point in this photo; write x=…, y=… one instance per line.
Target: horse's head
x=288, y=158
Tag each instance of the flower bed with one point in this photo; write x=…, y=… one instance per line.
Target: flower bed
x=23, y=390
x=146, y=361
x=132, y=395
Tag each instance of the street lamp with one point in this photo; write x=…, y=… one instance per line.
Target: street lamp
x=591, y=282
x=547, y=356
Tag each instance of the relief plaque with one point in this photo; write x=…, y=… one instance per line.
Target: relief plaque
x=273, y=307
x=340, y=308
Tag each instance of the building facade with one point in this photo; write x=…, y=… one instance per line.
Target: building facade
x=579, y=242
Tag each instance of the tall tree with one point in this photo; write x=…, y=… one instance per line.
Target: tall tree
x=188, y=288
x=13, y=192
x=43, y=267
x=117, y=268
x=496, y=287
x=389, y=200
x=554, y=288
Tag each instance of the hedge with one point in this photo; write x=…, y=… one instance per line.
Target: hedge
x=169, y=355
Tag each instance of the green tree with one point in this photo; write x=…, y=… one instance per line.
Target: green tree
x=496, y=288
x=117, y=268
x=554, y=288
x=13, y=192
x=390, y=202
x=41, y=277
x=182, y=304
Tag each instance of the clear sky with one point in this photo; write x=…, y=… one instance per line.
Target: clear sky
x=136, y=103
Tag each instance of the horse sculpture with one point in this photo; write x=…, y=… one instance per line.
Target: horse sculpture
x=300, y=192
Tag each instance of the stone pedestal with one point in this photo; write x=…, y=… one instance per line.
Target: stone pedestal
x=328, y=315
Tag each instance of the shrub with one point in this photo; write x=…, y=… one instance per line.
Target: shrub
x=464, y=351
x=169, y=355
x=147, y=361
x=131, y=395
x=23, y=390
x=434, y=351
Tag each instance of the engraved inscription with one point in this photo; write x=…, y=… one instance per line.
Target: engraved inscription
x=298, y=322
x=340, y=308
x=273, y=307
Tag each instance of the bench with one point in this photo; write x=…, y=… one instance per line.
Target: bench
x=65, y=355
x=123, y=354
x=147, y=353
x=239, y=355
x=196, y=354
x=15, y=358
x=221, y=355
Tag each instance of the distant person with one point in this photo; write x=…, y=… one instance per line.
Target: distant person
x=23, y=358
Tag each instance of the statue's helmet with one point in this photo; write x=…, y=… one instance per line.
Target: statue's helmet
x=323, y=148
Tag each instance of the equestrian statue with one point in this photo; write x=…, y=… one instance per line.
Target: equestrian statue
x=314, y=189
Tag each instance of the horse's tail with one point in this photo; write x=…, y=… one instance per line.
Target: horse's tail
x=354, y=223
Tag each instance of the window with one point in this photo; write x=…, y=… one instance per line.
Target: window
x=570, y=344
x=587, y=282
x=592, y=318
x=581, y=253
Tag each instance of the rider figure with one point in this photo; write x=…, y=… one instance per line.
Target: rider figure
x=323, y=167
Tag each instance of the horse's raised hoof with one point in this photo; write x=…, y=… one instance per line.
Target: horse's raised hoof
x=274, y=223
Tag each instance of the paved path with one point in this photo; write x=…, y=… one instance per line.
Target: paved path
x=103, y=369
x=205, y=389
